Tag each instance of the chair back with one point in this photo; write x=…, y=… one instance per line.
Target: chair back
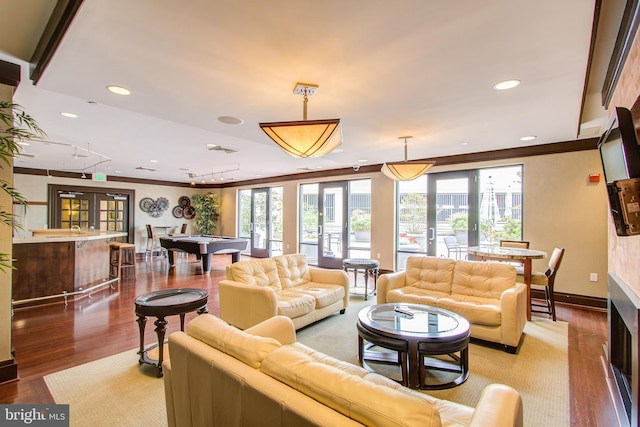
x=554, y=264
x=149, y=231
x=183, y=230
x=514, y=244
x=451, y=242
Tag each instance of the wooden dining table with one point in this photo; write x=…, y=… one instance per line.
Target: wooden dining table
x=501, y=253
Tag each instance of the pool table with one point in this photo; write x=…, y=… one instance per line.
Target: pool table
x=204, y=246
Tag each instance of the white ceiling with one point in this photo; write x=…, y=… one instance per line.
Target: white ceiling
x=386, y=68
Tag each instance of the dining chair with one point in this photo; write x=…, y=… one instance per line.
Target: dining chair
x=546, y=281
x=153, y=244
x=521, y=244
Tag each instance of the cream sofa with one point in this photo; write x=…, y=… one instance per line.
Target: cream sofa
x=221, y=376
x=486, y=294
x=284, y=285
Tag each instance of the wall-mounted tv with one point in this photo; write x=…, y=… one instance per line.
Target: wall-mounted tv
x=619, y=149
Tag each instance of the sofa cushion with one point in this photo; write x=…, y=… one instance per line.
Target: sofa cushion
x=324, y=294
x=292, y=270
x=477, y=310
x=414, y=295
x=432, y=273
x=260, y=272
x=294, y=304
x=353, y=396
x=482, y=279
x=250, y=349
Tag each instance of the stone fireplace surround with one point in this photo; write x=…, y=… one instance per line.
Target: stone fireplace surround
x=622, y=367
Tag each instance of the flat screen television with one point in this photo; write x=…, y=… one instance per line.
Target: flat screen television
x=619, y=149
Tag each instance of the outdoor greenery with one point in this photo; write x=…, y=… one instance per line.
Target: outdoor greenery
x=459, y=221
x=310, y=221
x=207, y=208
x=360, y=220
x=413, y=213
x=17, y=127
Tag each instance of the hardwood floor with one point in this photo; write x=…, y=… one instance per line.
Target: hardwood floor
x=54, y=337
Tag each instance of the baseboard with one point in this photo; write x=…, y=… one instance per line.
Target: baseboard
x=8, y=371
x=573, y=299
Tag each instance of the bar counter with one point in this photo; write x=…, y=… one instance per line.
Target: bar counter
x=56, y=263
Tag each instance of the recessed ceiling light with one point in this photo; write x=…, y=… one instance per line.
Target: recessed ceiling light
x=465, y=143
x=23, y=143
x=528, y=138
x=229, y=120
x=211, y=145
x=119, y=90
x=507, y=84
x=153, y=161
x=70, y=115
x=118, y=171
x=363, y=160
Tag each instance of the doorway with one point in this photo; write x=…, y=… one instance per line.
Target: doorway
x=260, y=221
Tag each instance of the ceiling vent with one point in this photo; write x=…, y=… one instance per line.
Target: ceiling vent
x=140, y=168
x=223, y=149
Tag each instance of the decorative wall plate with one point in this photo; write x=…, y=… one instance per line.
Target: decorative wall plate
x=163, y=203
x=177, y=211
x=146, y=203
x=189, y=212
x=184, y=201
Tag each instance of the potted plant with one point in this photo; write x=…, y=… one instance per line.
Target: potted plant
x=17, y=126
x=361, y=225
x=207, y=208
x=460, y=225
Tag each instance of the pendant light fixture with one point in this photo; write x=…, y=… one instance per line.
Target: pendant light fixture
x=407, y=170
x=305, y=138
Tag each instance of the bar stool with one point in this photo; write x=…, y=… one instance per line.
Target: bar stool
x=122, y=256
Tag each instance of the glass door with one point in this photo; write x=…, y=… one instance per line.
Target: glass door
x=332, y=224
x=260, y=223
x=452, y=213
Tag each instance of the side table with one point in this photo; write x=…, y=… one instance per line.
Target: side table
x=162, y=303
x=368, y=266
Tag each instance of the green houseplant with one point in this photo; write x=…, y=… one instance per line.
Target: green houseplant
x=361, y=225
x=17, y=127
x=207, y=208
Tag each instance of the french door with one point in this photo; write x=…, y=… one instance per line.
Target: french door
x=452, y=213
x=260, y=220
x=324, y=225
x=92, y=209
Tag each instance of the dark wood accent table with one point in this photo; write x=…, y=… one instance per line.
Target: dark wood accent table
x=368, y=266
x=415, y=332
x=162, y=303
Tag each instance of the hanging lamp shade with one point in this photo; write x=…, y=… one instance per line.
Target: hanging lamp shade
x=305, y=138
x=406, y=170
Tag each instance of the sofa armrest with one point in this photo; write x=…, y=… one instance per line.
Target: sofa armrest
x=244, y=305
x=387, y=282
x=335, y=277
x=168, y=393
x=513, y=308
x=499, y=406
x=280, y=328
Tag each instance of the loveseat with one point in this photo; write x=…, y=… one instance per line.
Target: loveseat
x=485, y=293
x=221, y=376
x=285, y=285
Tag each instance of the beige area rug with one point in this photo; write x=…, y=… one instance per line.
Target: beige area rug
x=116, y=391
x=539, y=371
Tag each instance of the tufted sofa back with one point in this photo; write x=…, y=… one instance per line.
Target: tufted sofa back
x=259, y=272
x=482, y=279
x=431, y=273
x=292, y=270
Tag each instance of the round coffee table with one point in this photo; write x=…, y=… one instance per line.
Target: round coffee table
x=162, y=303
x=416, y=332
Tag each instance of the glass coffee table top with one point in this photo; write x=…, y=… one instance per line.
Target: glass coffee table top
x=407, y=319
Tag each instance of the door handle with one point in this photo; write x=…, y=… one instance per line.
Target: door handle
x=432, y=233
x=320, y=230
